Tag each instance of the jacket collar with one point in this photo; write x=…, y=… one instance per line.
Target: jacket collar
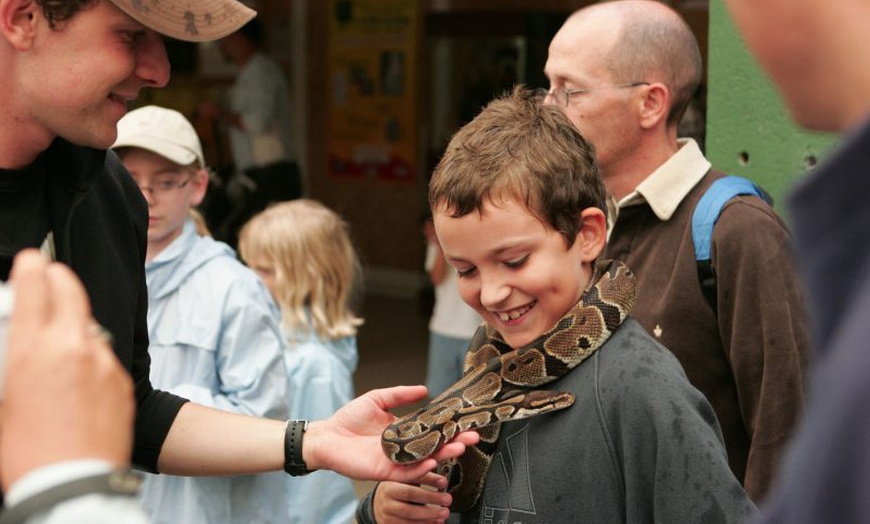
x=668, y=185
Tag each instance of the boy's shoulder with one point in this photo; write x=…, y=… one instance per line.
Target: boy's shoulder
x=631, y=369
x=634, y=364
x=632, y=339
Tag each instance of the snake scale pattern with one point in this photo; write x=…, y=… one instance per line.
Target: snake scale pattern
x=498, y=384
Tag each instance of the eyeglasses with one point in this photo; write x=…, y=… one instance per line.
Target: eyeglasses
x=562, y=96
x=162, y=186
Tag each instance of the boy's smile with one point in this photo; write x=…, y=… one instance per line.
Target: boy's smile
x=515, y=270
x=514, y=314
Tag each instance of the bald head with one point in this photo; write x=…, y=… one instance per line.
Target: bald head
x=645, y=40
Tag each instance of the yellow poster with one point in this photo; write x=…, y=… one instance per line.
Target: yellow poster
x=372, y=108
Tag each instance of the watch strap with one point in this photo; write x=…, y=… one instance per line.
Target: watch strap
x=294, y=464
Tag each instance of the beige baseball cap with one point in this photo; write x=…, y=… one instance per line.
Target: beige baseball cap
x=190, y=20
x=163, y=131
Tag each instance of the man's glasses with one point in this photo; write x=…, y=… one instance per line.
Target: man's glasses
x=562, y=96
x=163, y=186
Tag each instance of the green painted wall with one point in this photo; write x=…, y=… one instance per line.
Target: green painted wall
x=749, y=131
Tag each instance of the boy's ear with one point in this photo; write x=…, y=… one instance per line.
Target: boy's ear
x=18, y=21
x=199, y=180
x=655, y=105
x=593, y=233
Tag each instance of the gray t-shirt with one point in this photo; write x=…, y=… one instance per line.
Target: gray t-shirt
x=639, y=445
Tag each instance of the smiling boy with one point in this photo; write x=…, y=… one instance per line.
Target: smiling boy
x=518, y=205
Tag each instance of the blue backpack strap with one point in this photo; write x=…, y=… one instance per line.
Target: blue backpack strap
x=704, y=218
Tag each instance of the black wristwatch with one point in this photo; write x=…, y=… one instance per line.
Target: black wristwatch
x=294, y=464
x=121, y=482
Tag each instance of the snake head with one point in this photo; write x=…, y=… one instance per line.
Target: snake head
x=404, y=450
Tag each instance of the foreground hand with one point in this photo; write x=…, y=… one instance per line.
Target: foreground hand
x=66, y=395
x=396, y=503
x=349, y=442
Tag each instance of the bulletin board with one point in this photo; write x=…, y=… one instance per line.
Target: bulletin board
x=372, y=99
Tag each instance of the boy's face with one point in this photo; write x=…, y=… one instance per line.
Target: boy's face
x=77, y=80
x=170, y=190
x=517, y=272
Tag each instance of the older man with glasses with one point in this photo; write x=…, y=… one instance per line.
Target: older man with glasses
x=625, y=72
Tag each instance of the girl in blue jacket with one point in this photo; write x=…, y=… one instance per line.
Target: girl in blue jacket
x=303, y=252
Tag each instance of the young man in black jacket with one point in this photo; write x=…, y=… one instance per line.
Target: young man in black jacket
x=70, y=69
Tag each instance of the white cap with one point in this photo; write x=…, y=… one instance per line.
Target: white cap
x=190, y=20
x=162, y=131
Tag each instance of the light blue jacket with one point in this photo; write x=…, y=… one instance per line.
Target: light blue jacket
x=320, y=374
x=215, y=339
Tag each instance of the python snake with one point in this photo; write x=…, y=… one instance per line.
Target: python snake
x=498, y=384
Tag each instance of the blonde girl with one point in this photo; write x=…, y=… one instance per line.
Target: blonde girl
x=303, y=252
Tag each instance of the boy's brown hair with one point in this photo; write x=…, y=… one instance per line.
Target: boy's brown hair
x=519, y=148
